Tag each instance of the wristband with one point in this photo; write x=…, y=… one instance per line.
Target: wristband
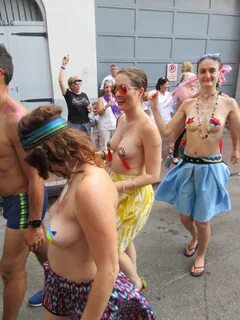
x=35, y=223
x=63, y=68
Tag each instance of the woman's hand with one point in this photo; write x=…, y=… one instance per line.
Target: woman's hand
x=111, y=102
x=119, y=186
x=65, y=60
x=153, y=101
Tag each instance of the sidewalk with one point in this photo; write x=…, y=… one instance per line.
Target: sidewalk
x=174, y=294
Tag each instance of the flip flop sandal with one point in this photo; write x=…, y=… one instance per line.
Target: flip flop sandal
x=193, y=249
x=144, y=285
x=197, y=274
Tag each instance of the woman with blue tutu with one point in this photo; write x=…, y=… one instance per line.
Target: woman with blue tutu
x=197, y=185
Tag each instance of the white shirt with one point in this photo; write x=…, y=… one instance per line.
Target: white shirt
x=164, y=104
x=108, y=120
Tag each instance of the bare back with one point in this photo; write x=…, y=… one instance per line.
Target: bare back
x=12, y=177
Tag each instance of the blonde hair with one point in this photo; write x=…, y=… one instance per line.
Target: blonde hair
x=187, y=66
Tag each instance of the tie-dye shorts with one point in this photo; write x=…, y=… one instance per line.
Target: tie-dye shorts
x=67, y=298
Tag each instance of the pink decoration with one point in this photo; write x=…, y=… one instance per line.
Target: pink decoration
x=224, y=69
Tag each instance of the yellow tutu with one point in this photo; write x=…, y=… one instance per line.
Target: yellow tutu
x=133, y=210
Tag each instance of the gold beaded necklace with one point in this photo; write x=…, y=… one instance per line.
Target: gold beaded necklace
x=212, y=116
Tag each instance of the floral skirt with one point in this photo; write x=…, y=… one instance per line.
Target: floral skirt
x=68, y=298
x=133, y=210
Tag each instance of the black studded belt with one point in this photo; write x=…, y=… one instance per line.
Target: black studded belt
x=203, y=160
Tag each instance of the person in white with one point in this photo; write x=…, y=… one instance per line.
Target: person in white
x=106, y=107
x=164, y=95
x=111, y=76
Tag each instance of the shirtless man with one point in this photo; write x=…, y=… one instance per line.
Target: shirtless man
x=22, y=191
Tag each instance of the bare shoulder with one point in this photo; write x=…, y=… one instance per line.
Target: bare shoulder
x=229, y=103
x=94, y=184
x=189, y=102
x=13, y=111
x=149, y=130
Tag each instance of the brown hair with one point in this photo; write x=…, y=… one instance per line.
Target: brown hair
x=137, y=77
x=60, y=149
x=210, y=56
x=6, y=64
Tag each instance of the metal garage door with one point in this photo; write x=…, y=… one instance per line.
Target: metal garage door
x=152, y=33
x=23, y=31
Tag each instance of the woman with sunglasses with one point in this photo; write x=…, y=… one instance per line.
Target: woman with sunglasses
x=81, y=275
x=134, y=153
x=77, y=102
x=108, y=110
x=197, y=185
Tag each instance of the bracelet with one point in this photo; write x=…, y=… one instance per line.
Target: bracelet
x=63, y=67
x=123, y=188
x=103, y=156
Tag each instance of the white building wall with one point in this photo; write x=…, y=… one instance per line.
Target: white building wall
x=71, y=30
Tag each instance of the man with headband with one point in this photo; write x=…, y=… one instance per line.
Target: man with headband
x=24, y=198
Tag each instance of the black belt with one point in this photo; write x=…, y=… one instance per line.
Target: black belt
x=203, y=160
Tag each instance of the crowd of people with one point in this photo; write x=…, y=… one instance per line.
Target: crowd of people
x=89, y=258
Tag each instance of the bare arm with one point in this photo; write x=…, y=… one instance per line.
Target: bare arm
x=98, y=222
x=34, y=237
x=61, y=77
x=178, y=120
x=100, y=107
x=234, y=126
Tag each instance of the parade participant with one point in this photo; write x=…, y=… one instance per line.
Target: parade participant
x=77, y=102
x=81, y=277
x=22, y=191
x=187, y=70
x=197, y=185
x=111, y=77
x=134, y=153
x=108, y=110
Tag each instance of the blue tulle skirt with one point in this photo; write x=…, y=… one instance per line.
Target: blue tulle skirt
x=197, y=190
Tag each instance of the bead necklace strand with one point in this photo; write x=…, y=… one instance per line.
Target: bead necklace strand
x=212, y=116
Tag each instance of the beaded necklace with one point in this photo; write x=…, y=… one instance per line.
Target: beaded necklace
x=209, y=122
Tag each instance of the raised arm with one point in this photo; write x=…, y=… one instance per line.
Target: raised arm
x=61, y=77
x=98, y=222
x=234, y=127
x=178, y=121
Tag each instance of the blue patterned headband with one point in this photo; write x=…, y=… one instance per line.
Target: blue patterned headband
x=215, y=55
x=43, y=133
